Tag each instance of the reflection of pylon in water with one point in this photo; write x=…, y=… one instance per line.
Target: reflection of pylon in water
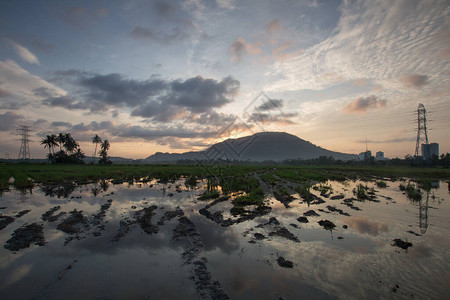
x=422, y=134
x=423, y=214
x=24, y=151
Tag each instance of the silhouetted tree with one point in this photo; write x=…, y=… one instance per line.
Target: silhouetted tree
x=104, y=160
x=49, y=142
x=95, y=140
x=69, y=149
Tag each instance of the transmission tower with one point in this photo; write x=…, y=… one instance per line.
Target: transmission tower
x=24, y=151
x=422, y=135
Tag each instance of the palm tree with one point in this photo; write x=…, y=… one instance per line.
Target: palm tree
x=61, y=139
x=49, y=142
x=104, y=152
x=70, y=144
x=95, y=140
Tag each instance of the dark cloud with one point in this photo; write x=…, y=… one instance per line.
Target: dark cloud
x=76, y=15
x=270, y=104
x=81, y=17
x=388, y=141
x=274, y=26
x=4, y=93
x=61, y=124
x=364, y=226
x=160, y=100
x=8, y=120
x=414, y=80
x=115, y=90
x=240, y=47
x=268, y=118
x=69, y=102
x=200, y=94
x=361, y=105
x=43, y=46
x=163, y=8
x=174, y=35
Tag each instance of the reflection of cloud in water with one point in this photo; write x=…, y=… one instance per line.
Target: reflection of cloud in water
x=419, y=251
x=364, y=226
x=215, y=236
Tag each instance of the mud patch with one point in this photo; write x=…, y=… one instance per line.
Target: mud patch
x=144, y=219
x=402, y=244
x=5, y=221
x=284, y=263
x=49, y=216
x=326, y=224
x=340, y=211
x=26, y=235
x=277, y=230
x=205, y=285
x=169, y=215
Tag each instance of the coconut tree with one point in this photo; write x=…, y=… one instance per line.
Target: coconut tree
x=49, y=142
x=70, y=144
x=95, y=140
x=61, y=139
x=104, y=152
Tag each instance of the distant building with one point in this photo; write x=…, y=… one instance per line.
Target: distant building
x=365, y=155
x=379, y=155
x=428, y=151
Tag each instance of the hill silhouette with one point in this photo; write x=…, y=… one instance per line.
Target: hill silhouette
x=276, y=146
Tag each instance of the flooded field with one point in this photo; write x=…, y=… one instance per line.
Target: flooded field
x=158, y=240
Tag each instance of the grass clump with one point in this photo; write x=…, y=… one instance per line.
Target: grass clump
x=381, y=184
x=413, y=192
x=191, y=181
x=360, y=192
x=255, y=197
x=209, y=195
x=304, y=191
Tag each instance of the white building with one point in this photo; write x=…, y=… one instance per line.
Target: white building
x=365, y=155
x=379, y=155
x=428, y=151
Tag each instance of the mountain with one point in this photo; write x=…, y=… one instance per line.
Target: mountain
x=276, y=146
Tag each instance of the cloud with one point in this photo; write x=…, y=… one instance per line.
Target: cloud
x=273, y=26
x=4, y=93
x=157, y=99
x=61, y=124
x=164, y=8
x=8, y=120
x=414, y=80
x=114, y=89
x=24, y=53
x=43, y=46
x=270, y=104
x=361, y=105
x=378, y=40
x=200, y=94
x=21, y=84
x=364, y=226
x=175, y=35
x=239, y=48
x=389, y=141
x=270, y=118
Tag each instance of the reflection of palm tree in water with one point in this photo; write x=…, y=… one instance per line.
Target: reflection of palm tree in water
x=423, y=214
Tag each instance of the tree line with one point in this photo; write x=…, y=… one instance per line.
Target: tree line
x=69, y=149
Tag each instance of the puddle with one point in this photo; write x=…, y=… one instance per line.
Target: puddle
x=147, y=240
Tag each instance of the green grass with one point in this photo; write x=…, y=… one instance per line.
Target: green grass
x=381, y=184
x=232, y=177
x=413, y=192
x=255, y=197
x=304, y=191
x=360, y=192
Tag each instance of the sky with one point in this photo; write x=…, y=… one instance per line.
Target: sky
x=177, y=76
